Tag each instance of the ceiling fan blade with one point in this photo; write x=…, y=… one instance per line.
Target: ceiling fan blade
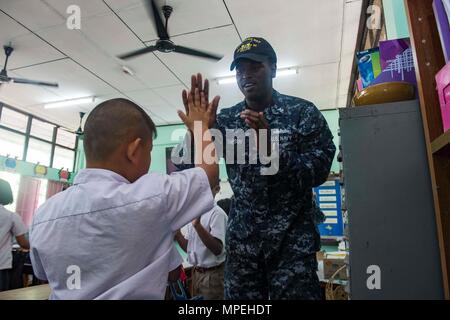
x=34, y=82
x=157, y=19
x=137, y=52
x=197, y=53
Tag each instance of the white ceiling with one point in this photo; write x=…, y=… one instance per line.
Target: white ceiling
x=318, y=36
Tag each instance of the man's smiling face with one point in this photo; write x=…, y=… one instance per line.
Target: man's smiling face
x=254, y=78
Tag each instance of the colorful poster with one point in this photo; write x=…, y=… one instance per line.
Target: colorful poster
x=369, y=65
x=333, y=226
x=397, y=62
x=443, y=88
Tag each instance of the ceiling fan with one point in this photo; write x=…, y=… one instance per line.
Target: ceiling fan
x=164, y=44
x=80, y=131
x=5, y=79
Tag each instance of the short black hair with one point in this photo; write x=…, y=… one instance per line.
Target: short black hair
x=112, y=123
x=6, y=196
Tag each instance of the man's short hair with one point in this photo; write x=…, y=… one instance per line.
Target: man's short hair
x=6, y=196
x=113, y=123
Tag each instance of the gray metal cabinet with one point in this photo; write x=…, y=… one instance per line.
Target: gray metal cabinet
x=389, y=201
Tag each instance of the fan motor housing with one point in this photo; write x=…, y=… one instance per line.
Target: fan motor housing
x=165, y=46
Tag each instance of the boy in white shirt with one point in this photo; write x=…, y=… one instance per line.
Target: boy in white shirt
x=110, y=235
x=204, y=243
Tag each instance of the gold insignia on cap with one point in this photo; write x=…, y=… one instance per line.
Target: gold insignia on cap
x=247, y=44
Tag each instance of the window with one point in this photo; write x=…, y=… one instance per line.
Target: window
x=42, y=130
x=14, y=182
x=66, y=138
x=42, y=196
x=14, y=120
x=11, y=143
x=63, y=158
x=14, y=134
x=39, y=151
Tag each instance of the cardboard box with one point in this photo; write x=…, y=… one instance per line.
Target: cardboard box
x=331, y=265
x=320, y=255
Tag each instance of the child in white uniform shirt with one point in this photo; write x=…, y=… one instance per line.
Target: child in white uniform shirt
x=11, y=225
x=204, y=243
x=110, y=235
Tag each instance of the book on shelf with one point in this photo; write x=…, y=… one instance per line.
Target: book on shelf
x=440, y=8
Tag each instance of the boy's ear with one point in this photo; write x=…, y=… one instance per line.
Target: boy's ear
x=132, y=149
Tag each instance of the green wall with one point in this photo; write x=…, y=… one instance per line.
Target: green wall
x=170, y=136
x=27, y=169
x=396, y=20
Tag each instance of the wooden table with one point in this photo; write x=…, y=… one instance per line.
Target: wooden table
x=41, y=292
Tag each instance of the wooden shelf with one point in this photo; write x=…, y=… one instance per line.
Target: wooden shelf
x=429, y=60
x=441, y=144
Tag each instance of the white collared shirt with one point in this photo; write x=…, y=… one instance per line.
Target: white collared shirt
x=11, y=225
x=215, y=222
x=115, y=237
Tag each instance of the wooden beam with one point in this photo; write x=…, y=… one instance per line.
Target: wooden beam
x=429, y=59
x=442, y=143
x=361, y=39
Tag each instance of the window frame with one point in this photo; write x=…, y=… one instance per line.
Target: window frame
x=28, y=135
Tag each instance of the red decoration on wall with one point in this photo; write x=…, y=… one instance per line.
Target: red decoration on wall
x=64, y=175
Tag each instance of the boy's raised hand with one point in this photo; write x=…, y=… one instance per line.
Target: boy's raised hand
x=197, y=82
x=197, y=109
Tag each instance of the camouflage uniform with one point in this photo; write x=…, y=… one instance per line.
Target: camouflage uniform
x=272, y=235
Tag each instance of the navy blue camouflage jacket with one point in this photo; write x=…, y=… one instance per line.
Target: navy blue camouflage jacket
x=273, y=210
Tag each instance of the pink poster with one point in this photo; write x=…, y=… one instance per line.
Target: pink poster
x=443, y=88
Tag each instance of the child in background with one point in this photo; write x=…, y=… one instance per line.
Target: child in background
x=11, y=225
x=204, y=243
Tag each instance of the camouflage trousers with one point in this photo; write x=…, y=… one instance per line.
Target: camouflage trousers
x=248, y=276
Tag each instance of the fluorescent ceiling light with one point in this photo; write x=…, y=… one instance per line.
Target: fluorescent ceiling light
x=69, y=103
x=280, y=73
x=286, y=72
